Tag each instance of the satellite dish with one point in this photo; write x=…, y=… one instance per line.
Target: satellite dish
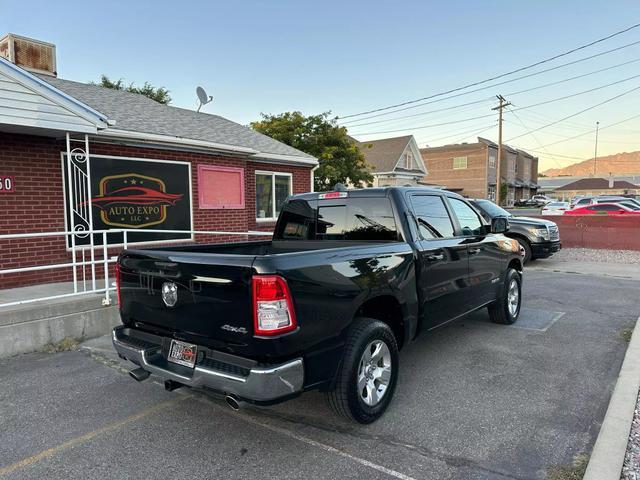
x=202, y=97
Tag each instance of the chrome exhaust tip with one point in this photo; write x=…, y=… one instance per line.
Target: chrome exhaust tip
x=233, y=402
x=139, y=374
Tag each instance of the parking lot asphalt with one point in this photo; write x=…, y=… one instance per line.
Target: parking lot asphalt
x=474, y=401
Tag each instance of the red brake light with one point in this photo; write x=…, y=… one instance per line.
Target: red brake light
x=118, y=283
x=322, y=196
x=273, y=312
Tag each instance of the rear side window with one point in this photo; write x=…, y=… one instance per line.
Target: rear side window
x=468, y=219
x=356, y=219
x=432, y=216
x=344, y=219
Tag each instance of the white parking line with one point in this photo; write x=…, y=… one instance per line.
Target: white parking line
x=313, y=443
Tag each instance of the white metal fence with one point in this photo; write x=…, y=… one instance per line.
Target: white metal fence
x=87, y=283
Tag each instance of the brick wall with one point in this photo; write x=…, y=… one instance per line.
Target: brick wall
x=37, y=205
x=617, y=232
x=472, y=180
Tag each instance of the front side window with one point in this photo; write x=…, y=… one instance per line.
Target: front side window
x=468, y=219
x=272, y=189
x=432, y=216
x=459, y=163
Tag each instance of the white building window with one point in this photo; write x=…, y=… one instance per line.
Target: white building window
x=272, y=189
x=408, y=161
x=492, y=158
x=459, y=163
x=491, y=193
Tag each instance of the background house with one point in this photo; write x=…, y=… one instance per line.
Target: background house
x=471, y=170
x=81, y=157
x=595, y=186
x=395, y=161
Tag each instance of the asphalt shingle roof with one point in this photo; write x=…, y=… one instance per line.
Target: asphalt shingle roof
x=137, y=113
x=384, y=154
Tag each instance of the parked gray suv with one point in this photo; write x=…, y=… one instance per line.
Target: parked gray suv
x=540, y=238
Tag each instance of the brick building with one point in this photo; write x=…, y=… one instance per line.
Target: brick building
x=470, y=169
x=80, y=157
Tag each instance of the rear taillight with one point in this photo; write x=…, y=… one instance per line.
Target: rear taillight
x=118, y=283
x=272, y=306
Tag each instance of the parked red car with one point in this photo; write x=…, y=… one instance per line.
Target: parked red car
x=603, y=209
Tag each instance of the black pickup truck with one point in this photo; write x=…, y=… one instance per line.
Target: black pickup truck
x=348, y=278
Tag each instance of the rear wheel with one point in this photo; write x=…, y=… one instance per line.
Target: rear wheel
x=368, y=374
x=506, y=308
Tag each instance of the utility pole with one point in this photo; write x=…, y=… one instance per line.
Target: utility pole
x=503, y=103
x=595, y=154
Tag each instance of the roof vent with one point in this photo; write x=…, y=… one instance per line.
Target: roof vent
x=32, y=55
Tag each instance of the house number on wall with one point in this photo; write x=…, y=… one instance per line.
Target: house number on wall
x=6, y=184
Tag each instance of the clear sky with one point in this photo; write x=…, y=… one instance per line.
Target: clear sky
x=352, y=56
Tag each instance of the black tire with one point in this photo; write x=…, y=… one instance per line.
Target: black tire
x=527, y=250
x=345, y=398
x=499, y=311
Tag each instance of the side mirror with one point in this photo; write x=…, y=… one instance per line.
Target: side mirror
x=499, y=225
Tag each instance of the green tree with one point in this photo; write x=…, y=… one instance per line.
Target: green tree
x=159, y=94
x=340, y=160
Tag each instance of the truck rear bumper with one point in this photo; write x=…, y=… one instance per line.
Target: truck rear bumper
x=259, y=384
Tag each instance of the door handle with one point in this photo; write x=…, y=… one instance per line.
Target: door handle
x=474, y=251
x=433, y=257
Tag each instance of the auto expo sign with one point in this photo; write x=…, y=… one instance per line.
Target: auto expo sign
x=132, y=200
x=136, y=195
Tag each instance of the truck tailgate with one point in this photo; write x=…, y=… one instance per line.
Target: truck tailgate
x=213, y=304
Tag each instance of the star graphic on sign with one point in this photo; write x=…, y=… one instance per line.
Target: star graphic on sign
x=133, y=181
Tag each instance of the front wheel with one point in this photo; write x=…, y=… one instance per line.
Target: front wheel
x=506, y=308
x=528, y=252
x=368, y=374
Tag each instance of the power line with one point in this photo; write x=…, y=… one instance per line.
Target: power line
x=577, y=113
x=423, y=113
x=546, y=60
x=468, y=132
x=534, y=137
x=591, y=131
x=453, y=122
x=606, y=52
x=486, y=99
x=475, y=134
x=546, y=102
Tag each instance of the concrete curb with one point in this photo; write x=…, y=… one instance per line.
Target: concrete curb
x=609, y=451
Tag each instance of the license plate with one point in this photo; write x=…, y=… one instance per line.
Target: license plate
x=183, y=353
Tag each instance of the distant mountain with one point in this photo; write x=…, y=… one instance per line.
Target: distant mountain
x=620, y=163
